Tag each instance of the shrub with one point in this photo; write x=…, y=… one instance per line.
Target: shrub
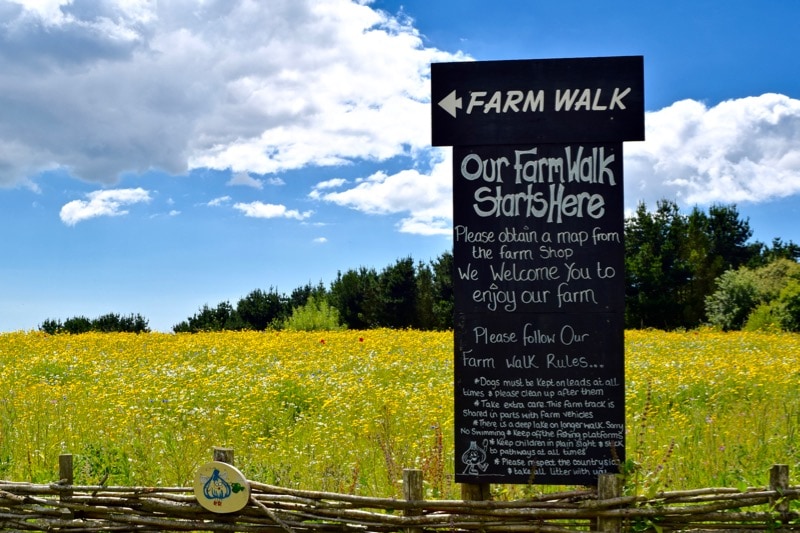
x=736, y=296
x=766, y=317
x=789, y=298
x=51, y=326
x=315, y=315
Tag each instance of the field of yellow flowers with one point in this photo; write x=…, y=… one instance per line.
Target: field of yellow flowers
x=346, y=411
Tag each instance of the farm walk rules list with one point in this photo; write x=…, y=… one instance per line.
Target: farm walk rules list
x=539, y=266
x=539, y=296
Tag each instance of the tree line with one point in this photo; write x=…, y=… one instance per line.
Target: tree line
x=682, y=271
x=108, y=323
x=674, y=263
x=402, y=295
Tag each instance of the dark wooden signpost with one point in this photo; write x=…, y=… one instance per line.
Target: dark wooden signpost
x=539, y=265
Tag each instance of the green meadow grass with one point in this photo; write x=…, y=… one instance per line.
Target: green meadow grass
x=347, y=411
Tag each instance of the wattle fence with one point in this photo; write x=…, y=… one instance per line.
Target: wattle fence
x=62, y=506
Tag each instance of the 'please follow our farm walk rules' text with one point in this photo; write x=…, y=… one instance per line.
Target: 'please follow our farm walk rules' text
x=539, y=282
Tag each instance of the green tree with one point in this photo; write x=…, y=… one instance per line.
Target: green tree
x=672, y=261
x=715, y=242
x=760, y=298
x=424, y=317
x=315, y=315
x=398, y=294
x=77, y=324
x=766, y=317
x=773, y=277
x=443, y=296
x=300, y=295
x=106, y=323
x=728, y=235
x=355, y=295
x=782, y=313
x=734, y=299
x=704, y=267
x=789, y=298
x=134, y=324
x=764, y=254
x=220, y=318
x=260, y=309
x=113, y=322
x=656, y=270
x=51, y=326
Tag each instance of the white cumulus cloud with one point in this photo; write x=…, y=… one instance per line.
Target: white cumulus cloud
x=114, y=86
x=742, y=150
x=262, y=210
x=423, y=197
x=107, y=203
x=104, y=88
x=219, y=201
x=245, y=179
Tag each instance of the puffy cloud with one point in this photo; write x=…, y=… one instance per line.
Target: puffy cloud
x=216, y=202
x=274, y=180
x=743, y=150
x=102, y=203
x=113, y=86
x=107, y=87
x=335, y=183
x=424, y=196
x=262, y=210
x=245, y=179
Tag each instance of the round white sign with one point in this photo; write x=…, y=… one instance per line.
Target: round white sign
x=221, y=488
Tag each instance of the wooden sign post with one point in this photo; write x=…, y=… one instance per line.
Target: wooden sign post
x=538, y=227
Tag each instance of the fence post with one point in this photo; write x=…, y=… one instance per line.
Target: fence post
x=779, y=482
x=66, y=477
x=476, y=491
x=223, y=455
x=65, y=474
x=412, y=492
x=608, y=486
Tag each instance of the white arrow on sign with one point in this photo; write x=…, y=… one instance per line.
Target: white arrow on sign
x=450, y=103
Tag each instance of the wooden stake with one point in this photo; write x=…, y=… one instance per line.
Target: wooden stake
x=66, y=477
x=476, y=491
x=223, y=455
x=609, y=486
x=413, y=492
x=779, y=482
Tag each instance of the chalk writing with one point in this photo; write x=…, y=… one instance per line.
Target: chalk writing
x=539, y=300
x=533, y=100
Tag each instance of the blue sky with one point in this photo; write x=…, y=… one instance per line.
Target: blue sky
x=158, y=156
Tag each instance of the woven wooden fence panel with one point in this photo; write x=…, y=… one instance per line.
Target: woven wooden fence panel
x=62, y=507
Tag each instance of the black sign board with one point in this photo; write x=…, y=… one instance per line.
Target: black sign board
x=539, y=297
x=539, y=270
x=546, y=100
